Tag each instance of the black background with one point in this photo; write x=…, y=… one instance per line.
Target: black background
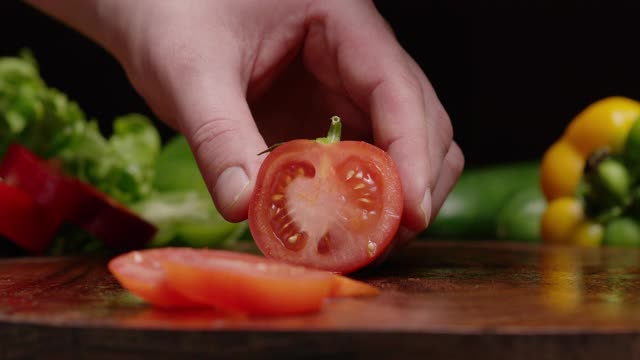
x=511, y=74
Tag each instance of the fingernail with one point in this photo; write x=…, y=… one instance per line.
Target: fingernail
x=425, y=206
x=230, y=186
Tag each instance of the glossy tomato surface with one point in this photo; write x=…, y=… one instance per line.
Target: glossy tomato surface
x=142, y=273
x=248, y=284
x=230, y=281
x=328, y=206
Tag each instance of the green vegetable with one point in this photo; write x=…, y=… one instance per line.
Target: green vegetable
x=40, y=118
x=176, y=158
x=622, y=231
x=163, y=185
x=121, y=166
x=519, y=218
x=188, y=218
x=486, y=204
x=44, y=120
x=181, y=206
x=631, y=151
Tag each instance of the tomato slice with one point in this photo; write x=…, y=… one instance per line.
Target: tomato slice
x=334, y=206
x=347, y=287
x=230, y=281
x=250, y=284
x=76, y=201
x=141, y=272
x=24, y=222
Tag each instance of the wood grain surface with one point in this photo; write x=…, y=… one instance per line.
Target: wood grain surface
x=449, y=300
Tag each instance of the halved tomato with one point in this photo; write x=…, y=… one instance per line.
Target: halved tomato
x=230, y=281
x=326, y=204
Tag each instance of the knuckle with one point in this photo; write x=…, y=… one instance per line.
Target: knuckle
x=441, y=131
x=212, y=138
x=456, y=159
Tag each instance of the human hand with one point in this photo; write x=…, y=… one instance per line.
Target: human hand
x=234, y=76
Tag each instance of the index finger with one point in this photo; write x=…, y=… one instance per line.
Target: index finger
x=408, y=120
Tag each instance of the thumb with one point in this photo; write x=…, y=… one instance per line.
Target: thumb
x=215, y=118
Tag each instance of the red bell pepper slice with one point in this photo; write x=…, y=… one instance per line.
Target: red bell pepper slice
x=75, y=201
x=24, y=222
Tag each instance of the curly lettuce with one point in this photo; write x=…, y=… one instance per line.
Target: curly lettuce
x=161, y=183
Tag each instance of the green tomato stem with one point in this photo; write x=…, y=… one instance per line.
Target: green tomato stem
x=335, y=130
x=334, y=133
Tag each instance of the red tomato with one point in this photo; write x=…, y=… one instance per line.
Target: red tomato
x=76, y=201
x=331, y=206
x=235, y=282
x=141, y=272
x=346, y=287
x=243, y=283
x=24, y=222
x=231, y=281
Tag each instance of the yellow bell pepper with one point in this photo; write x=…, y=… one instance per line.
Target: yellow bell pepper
x=564, y=222
x=602, y=126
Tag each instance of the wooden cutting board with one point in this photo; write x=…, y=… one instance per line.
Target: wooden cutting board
x=451, y=300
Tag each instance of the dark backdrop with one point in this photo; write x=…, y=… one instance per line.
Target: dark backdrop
x=511, y=74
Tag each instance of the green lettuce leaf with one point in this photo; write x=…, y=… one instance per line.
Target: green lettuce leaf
x=188, y=218
x=176, y=168
x=162, y=184
x=181, y=206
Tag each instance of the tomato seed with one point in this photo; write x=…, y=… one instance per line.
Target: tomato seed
x=350, y=174
x=371, y=248
x=295, y=242
x=292, y=239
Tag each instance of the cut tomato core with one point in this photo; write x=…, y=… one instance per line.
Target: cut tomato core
x=330, y=206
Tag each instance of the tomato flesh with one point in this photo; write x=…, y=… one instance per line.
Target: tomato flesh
x=329, y=206
x=230, y=281
x=242, y=283
x=141, y=272
x=347, y=287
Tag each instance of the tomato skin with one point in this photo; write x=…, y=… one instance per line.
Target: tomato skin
x=257, y=286
x=360, y=221
x=347, y=287
x=141, y=272
x=230, y=281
